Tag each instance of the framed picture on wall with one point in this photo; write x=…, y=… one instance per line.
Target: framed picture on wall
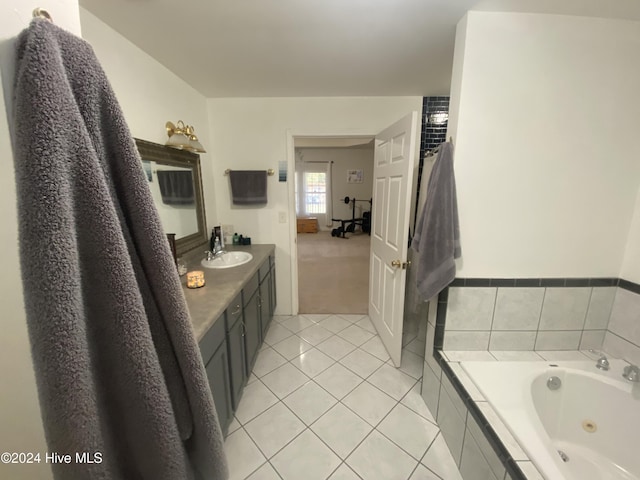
x=355, y=176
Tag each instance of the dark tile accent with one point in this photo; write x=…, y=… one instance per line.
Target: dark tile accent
x=443, y=296
x=431, y=134
x=542, y=282
x=477, y=282
x=527, y=282
x=603, y=282
x=577, y=282
x=627, y=285
x=438, y=340
x=513, y=469
x=503, y=282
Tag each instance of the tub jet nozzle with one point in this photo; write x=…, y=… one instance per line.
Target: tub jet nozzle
x=554, y=383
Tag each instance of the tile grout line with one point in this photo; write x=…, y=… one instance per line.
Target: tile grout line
x=493, y=316
x=535, y=340
x=439, y=434
x=586, y=315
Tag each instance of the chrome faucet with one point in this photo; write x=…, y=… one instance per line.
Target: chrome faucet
x=217, y=248
x=602, y=363
x=217, y=251
x=631, y=373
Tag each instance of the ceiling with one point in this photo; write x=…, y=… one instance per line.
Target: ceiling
x=287, y=48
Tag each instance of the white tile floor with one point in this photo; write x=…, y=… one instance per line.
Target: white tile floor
x=325, y=401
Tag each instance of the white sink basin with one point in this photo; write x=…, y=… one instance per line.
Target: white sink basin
x=228, y=260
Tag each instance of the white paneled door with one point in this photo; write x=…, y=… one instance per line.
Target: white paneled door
x=395, y=152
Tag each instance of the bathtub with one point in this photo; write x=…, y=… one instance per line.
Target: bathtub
x=592, y=419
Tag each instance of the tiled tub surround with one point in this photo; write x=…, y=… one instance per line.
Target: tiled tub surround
x=527, y=318
x=546, y=421
x=557, y=314
x=481, y=445
x=618, y=334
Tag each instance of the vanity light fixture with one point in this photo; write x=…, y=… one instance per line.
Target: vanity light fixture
x=182, y=137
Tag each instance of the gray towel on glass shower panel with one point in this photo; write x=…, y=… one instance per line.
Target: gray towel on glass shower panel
x=117, y=366
x=437, y=235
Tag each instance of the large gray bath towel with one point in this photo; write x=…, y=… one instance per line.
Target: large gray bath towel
x=117, y=365
x=437, y=235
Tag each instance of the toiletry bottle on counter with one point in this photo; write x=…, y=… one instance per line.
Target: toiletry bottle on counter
x=218, y=231
x=217, y=246
x=236, y=239
x=212, y=242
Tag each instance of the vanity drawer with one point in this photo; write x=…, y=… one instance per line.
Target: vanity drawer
x=213, y=338
x=250, y=288
x=264, y=270
x=234, y=311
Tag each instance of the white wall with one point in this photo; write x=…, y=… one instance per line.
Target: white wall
x=631, y=265
x=345, y=159
x=150, y=94
x=545, y=114
x=21, y=426
x=252, y=133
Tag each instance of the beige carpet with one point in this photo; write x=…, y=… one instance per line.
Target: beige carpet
x=333, y=273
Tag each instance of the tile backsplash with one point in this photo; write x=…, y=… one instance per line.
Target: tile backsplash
x=551, y=314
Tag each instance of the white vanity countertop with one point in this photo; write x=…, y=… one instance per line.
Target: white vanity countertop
x=206, y=304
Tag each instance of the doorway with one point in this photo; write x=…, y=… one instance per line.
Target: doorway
x=333, y=262
x=395, y=151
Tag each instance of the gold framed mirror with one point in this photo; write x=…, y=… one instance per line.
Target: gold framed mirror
x=175, y=181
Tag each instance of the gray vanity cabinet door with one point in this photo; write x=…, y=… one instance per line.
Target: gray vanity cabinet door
x=218, y=374
x=237, y=360
x=272, y=290
x=264, y=303
x=253, y=331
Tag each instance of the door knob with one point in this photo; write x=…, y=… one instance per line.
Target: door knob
x=398, y=264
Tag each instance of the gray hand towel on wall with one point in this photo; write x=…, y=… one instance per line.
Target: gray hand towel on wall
x=437, y=235
x=248, y=187
x=117, y=366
